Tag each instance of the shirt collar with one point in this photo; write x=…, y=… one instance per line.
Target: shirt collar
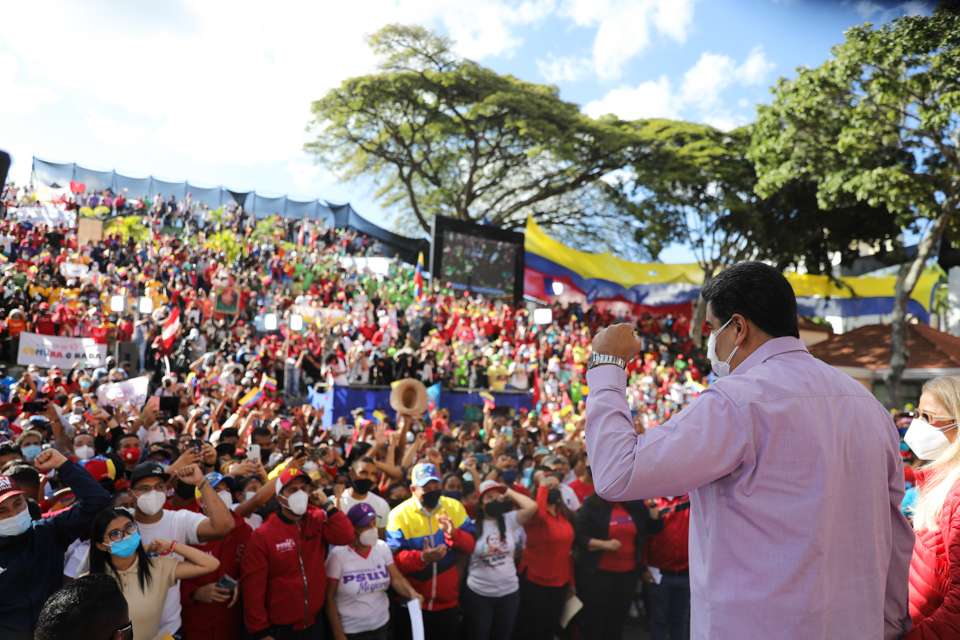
x=769, y=349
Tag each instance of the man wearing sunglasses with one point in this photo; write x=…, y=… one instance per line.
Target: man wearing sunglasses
x=31, y=552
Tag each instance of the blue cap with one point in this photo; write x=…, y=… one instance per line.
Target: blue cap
x=424, y=473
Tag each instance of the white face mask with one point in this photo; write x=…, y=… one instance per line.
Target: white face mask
x=18, y=524
x=722, y=369
x=298, y=502
x=152, y=503
x=310, y=466
x=925, y=440
x=227, y=497
x=249, y=495
x=84, y=452
x=369, y=537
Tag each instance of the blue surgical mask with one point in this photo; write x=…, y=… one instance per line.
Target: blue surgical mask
x=249, y=495
x=10, y=527
x=456, y=495
x=126, y=547
x=509, y=476
x=31, y=451
x=84, y=384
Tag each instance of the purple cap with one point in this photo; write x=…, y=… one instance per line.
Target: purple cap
x=361, y=514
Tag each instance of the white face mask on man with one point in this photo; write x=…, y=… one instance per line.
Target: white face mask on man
x=721, y=368
x=926, y=440
x=297, y=502
x=151, y=503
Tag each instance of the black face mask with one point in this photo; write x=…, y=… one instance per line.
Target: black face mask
x=362, y=486
x=553, y=496
x=495, y=509
x=430, y=499
x=396, y=502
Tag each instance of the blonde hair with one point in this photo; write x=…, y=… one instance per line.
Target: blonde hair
x=944, y=471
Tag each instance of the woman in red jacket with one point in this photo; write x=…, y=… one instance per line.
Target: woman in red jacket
x=546, y=569
x=935, y=566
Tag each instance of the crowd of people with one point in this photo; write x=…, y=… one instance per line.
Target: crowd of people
x=227, y=505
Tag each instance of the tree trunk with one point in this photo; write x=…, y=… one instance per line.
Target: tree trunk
x=700, y=312
x=906, y=281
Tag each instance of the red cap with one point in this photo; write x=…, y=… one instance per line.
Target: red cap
x=8, y=488
x=288, y=476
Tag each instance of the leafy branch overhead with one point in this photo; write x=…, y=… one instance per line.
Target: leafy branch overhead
x=443, y=135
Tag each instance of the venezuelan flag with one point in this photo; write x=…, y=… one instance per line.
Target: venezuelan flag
x=418, y=278
x=268, y=383
x=267, y=279
x=379, y=416
x=213, y=378
x=253, y=397
x=123, y=271
x=488, y=399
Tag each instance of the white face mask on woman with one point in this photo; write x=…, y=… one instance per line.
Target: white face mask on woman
x=926, y=440
x=369, y=538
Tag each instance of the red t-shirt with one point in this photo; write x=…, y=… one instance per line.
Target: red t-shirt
x=622, y=529
x=582, y=489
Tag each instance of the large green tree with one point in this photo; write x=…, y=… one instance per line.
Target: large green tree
x=879, y=122
x=698, y=191
x=443, y=135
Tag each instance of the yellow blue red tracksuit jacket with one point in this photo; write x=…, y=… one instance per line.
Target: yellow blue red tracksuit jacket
x=409, y=526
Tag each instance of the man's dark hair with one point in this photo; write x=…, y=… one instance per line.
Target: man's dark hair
x=759, y=293
x=8, y=448
x=26, y=477
x=89, y=608
x=263, y=432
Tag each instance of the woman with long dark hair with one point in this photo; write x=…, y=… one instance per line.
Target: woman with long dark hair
x=116, y=549
x=546, y=569
x=491, y=598
x=610, y=538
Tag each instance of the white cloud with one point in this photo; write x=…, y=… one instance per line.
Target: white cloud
x=698, y=96
x=307, y=175
x=649, y=100
x=20, y=99
x=564, y=69
x=222, y=81
x=625, y=27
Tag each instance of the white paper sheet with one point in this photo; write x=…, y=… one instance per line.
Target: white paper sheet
x=570, y=609
x=657, y=576
x=416, y=619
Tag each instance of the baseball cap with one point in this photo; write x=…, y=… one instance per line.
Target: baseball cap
x=8, y=488
x=361, y=514
x=214, y=478
x=491, y=485
x=424, y=473
x=100, y=468
x=288, y=476
x=149, y=469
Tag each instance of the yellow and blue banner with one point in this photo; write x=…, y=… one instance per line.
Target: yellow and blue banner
x=672, y=288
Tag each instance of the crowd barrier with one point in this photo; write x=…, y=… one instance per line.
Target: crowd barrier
x=459, y=402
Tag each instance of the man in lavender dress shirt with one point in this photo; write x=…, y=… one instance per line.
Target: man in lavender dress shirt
x=793, y=469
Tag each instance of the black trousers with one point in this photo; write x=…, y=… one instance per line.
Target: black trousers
x=437, y=625
x=606, y=597
x=540, y=609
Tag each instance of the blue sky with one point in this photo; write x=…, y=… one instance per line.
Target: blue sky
x=218, y=91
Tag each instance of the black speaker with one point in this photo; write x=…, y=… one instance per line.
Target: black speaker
x=4, y=167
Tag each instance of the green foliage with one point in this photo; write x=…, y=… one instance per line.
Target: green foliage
x=442, y=135
x=228, y=242
x=128, y=227
x=878, y=123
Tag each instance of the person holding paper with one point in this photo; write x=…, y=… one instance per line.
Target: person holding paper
x=793, y=469
x=358, y=576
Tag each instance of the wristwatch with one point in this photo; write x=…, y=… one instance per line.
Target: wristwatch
x=597, y=359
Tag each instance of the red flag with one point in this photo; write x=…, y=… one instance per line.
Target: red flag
x=171, y=328
x=536, y=387
x=77, y=187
